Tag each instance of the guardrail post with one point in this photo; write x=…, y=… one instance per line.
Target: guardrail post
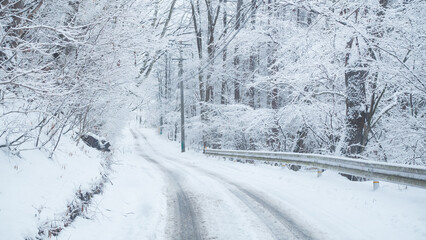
x=376, y=185
x=319, y=172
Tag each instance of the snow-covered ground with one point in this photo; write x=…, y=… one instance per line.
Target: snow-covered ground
x=35, y=189
x=133, y=207
x=160, y=193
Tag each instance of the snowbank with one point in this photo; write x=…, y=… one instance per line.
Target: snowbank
x=133, y=207
x=35, y=189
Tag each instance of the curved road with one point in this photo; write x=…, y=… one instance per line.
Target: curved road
x=182, y=215
x=156, y=192
x=204, y=205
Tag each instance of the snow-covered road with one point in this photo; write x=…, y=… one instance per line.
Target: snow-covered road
x=160, y=193
x=186, y=218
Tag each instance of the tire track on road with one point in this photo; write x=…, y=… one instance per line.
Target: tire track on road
x=185, y=224
x=280, y=224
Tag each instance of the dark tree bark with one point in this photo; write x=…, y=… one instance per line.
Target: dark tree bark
x=251, y=91
x=224, y=57
x=237, y=67
x=198, y=35
x=358, y=114
x=212, y=17
x=355, y=79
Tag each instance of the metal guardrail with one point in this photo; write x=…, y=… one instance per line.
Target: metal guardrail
x=396, y=173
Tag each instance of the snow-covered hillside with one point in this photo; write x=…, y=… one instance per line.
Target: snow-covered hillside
x=36, y=191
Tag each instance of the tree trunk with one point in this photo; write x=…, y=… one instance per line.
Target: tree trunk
x=224, y=56
x=355, y=79
x=199, y=39
x=253, y=59
x=252, y=68
x=237, y=93
x=211, y=24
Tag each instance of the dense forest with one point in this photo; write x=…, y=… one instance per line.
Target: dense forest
x=321, y=76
